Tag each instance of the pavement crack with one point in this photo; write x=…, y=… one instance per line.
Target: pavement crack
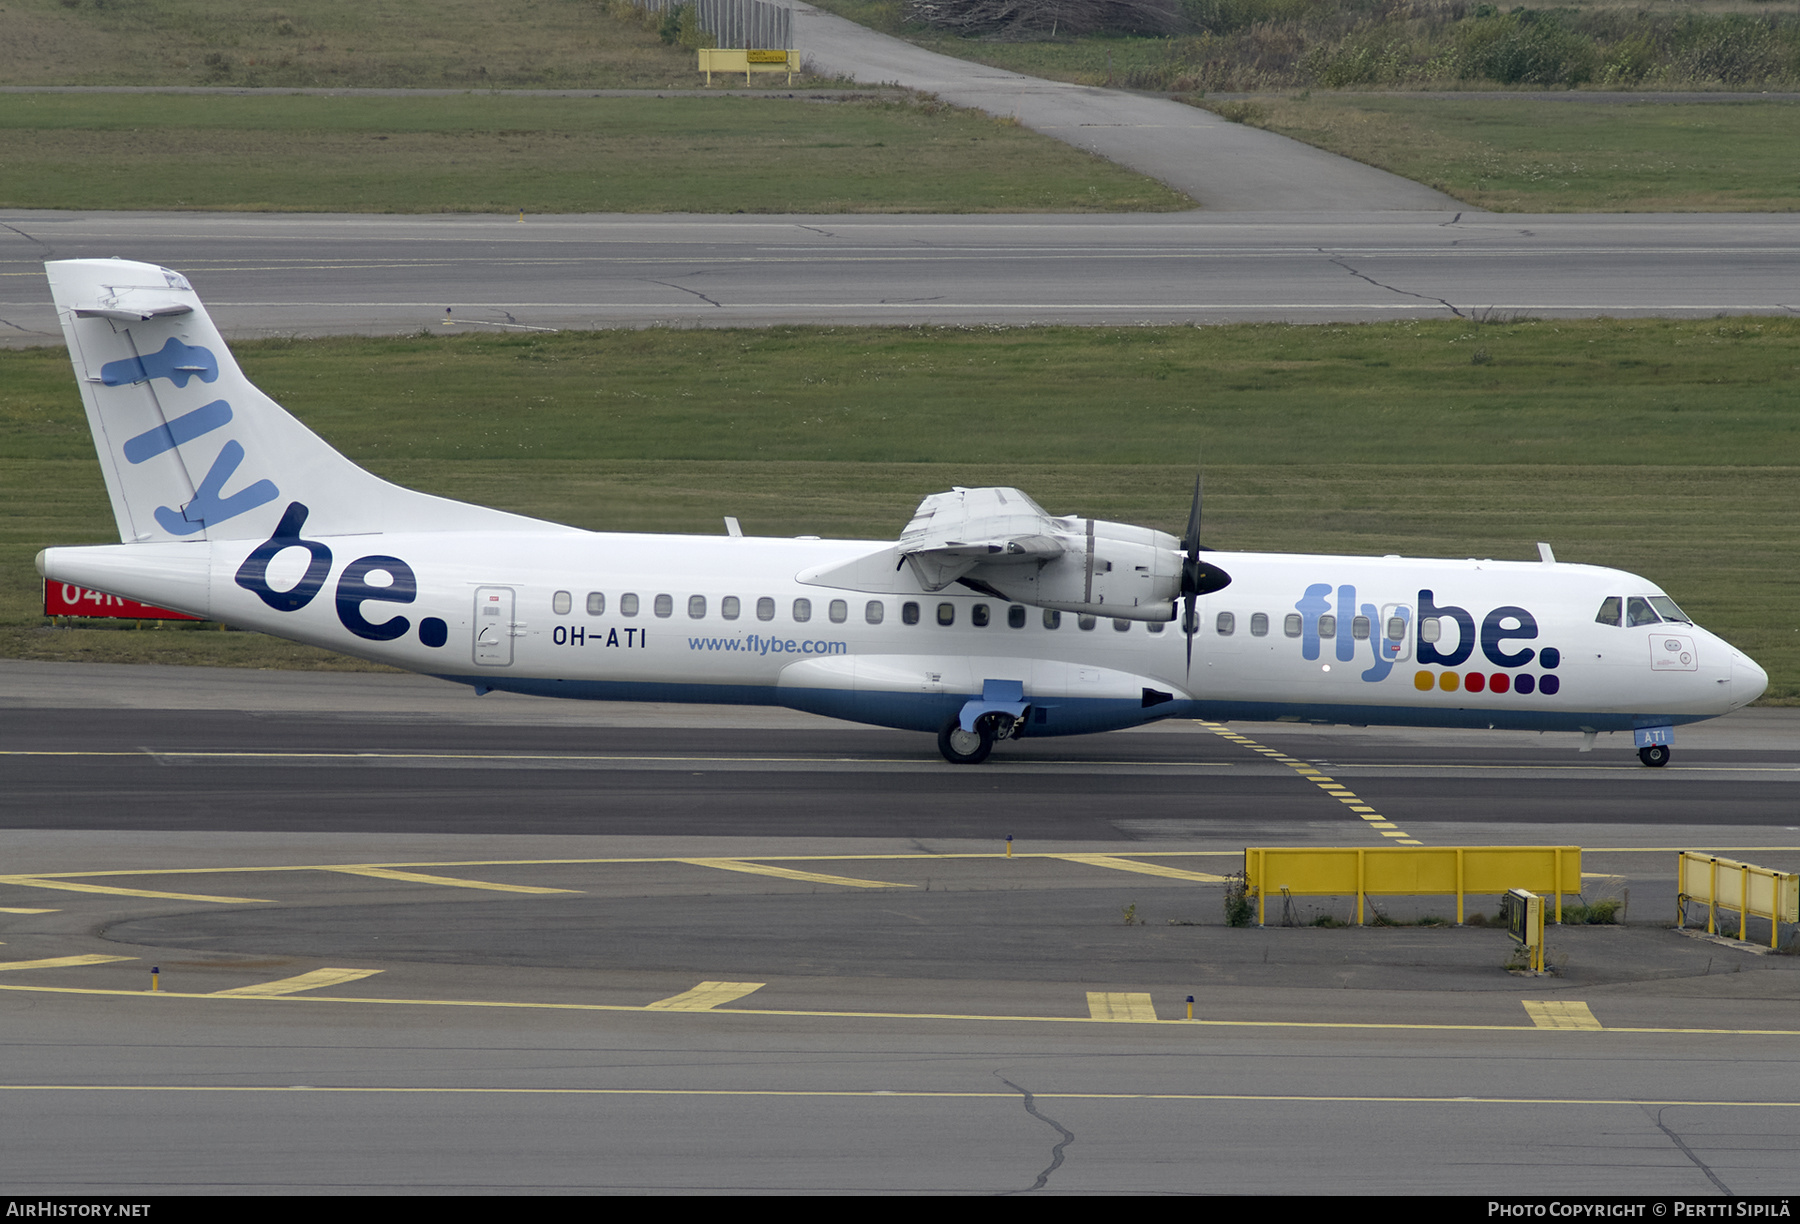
x=815, y=229
x=48, y=249
x=685, y=289
x=1423, y=297
x=29, y=331
x=1068, y=1136
x=1688, y=1152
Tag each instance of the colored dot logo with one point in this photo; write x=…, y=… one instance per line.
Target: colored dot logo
x=1477, y=682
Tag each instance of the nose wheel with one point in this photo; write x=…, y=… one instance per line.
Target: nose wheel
x=966, y=747
x=1654, y=755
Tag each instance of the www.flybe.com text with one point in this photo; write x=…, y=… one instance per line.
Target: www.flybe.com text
x=757, y=644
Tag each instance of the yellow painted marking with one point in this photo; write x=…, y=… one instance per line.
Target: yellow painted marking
x=790, y=1013
x=787, y=873
x=413, y=877
x=63, y=962
x=8, y=909
x=705, y=996
x=1155, y=869
x=883, y=1094
x=1337, y=790
x=65, y=885
x=1551, y=1015
x=315, y=980
x=1111, y=1005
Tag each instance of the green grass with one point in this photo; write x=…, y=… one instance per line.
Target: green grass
x=494, y=153
x=1519, y=155
x=1263, y=45
x=567, y=44
x=1667, y=448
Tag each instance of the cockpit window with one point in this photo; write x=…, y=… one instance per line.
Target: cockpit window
x=1609, y=611
x=1670, y=612
x=1639, y=612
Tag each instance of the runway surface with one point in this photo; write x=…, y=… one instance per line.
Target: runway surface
x=272, y=274
x=410, y=940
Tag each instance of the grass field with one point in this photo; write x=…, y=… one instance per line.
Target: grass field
x=1520, y=155
x=1667, y=448
x=493, y=153
x=571, y=44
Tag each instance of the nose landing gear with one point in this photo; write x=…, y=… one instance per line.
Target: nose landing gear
x=1654, y=755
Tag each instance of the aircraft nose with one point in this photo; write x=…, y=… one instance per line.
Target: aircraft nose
x=1748, y=681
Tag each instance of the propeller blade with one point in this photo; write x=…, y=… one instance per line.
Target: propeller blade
x=1197, y=577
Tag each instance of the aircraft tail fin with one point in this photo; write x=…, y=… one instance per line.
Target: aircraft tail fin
x=191, y=449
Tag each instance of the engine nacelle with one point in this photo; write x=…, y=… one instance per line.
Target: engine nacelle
x=1105, y=569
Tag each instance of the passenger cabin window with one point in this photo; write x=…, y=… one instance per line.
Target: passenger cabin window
x=802, y=611
x=765, y=608
x=1123, y=626
x=697, y=607
x=1015, y=616
x=909, y=613
x=978, y=616
x=1610, y=607
x=1431, y=629
x=840, y=611
x=873, y=611
x=1359, y=628
x=1157, y=626
x=1639, y=612
x=1084, y=622
x=1291, y=625
x=664, y=605
x=1396, y=629
x=596, y=603
x=560, y=603
x=1259, y=624
x=1052, y=619
x=946, y=614
x=1226, y=624
x=728, y=607
x=628, y=604
x=1328, y=626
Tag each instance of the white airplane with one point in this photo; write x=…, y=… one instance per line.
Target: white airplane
x=988, y=619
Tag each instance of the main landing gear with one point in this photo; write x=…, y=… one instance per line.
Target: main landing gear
x=966, y=747
x=1654, y=755
x=972, y=747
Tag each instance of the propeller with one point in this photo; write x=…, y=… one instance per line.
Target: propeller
x=1197, y=577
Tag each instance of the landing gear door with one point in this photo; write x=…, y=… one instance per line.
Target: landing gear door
x=494, y=626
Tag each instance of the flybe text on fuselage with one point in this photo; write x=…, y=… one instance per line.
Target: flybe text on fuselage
x=1388, y=633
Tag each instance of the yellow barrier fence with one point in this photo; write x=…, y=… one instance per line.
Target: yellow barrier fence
x=746, y=61
x=1410, y=871
x=1720, y=883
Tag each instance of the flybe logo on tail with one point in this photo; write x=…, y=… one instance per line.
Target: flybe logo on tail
x=175, y=361
x=178, y=362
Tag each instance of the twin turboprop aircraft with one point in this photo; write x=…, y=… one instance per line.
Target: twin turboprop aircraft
x=988, y=619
